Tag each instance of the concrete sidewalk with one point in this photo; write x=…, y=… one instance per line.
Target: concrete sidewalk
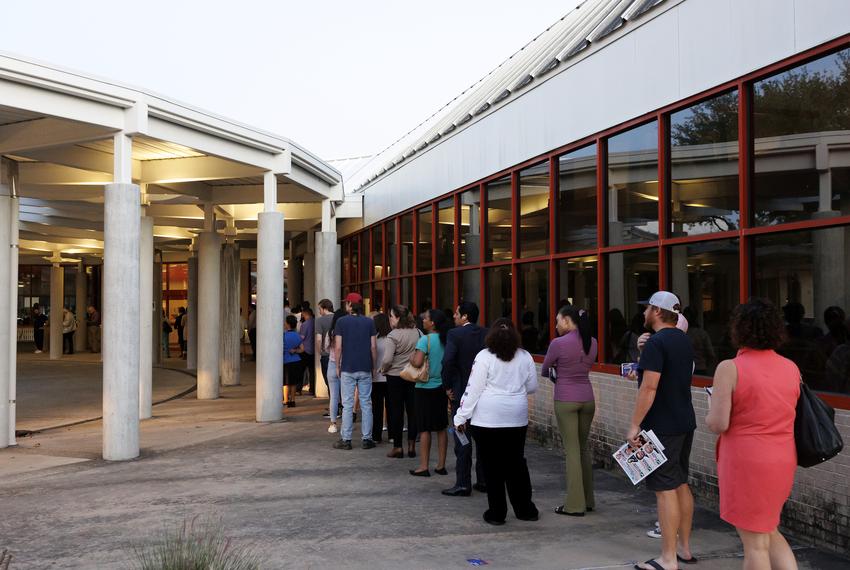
x=282, y=488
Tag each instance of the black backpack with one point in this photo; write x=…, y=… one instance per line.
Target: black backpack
x=816, y=437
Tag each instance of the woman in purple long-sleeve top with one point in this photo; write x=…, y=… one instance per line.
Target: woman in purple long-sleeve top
x=570, y=357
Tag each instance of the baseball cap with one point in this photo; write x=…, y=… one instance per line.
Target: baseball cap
x=353, y=298
x=664, y=300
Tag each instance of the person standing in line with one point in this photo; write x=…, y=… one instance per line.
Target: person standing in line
x=401, y=343
x=93, y=328
x=180, y=325
x=39, y=319
x=664, y=405
x=463, y=344
x=379, y=381
x=752, y=409
x=307, y=332
x=293, y=369
x=286, y=309
x=430, y=402
x=322, y=328
x=252, y=332
x=567, y=364
x=334, y=388
x=69, y=325
x=496, y=404
x=356, y=348
x=166, y=330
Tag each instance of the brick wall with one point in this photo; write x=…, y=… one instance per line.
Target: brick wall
x=818, y=511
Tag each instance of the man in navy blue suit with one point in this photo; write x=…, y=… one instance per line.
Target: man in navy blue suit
x=464, y=343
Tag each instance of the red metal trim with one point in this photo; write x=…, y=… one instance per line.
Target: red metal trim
x=577, y=253
x=801, y=225
x=554, y=182
x=731, y=234
x=629, y=247
x=663, y=199
x=601, y=191
x=483, y=230
x=434, y=217
x=456, y=250
x=554, y=277
x=515, y=246
x=414, y=293
x=746, y=149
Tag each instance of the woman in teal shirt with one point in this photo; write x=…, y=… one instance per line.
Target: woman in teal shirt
x=430, y=401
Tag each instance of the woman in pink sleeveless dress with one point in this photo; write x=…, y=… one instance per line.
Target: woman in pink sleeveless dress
x=753, y=409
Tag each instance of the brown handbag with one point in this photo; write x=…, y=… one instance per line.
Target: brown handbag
x=421, y=374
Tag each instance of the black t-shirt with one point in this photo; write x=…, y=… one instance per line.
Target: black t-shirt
x=669, y=351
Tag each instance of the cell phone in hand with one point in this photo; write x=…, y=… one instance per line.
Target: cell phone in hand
x=461, y=437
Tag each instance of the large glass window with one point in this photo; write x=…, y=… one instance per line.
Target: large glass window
x=378, y=252
x=392, y=252
x=355, y=258
x=393, y=298
x=577, y=281
x=423, y=251
x=801, y=120
x=379, y=299
x=498, y=293
x=365, y=268
x=446, y=292
x=704, y=167
x=470, y=227
x=424, y=300
x=577, y=200
x=406, y=293
x=406, y=244
x=633, y=185
x=705, y=276
x=470, y=286
x=534, y=211
x=446, y=234
x=807, y=274
x=499, y=220
x=632, y=278
x=534, y=311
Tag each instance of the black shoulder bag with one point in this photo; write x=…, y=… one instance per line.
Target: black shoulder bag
x=816, y=437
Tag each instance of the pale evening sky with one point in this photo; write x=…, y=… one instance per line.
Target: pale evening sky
x=342, y=78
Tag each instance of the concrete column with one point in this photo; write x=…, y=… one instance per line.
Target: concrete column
x=81, y=293
x=309, y=276
x=231, y=327
x=269, y=306
x=57, y=290
x=13, y=303
x=327, y=282
x=295, y=279
x=7, y=308
x=192, y=311
x=146, y=317
x=156, y=294
x=121, y=319
x=209, y=309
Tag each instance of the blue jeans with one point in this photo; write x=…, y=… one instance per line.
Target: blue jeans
x=363, y=382
x=333, y=388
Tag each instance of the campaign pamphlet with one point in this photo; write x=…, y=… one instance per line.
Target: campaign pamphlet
x=638, y=462
x=627, y=368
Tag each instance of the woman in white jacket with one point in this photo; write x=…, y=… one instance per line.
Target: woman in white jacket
x=496, y=402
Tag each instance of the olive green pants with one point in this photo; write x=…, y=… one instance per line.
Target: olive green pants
x=574, y=419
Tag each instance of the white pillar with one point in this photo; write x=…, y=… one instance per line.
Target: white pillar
x=57, y=292
x=13, y=302
x=327, y=279
x=121, y=309
x=231, y=328
x=7, y=306
x=269, y=306
x=209, y=308
x=146, y=317
x=192, y=310
x=80, y=291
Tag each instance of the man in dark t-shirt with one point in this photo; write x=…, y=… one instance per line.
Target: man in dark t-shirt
x=664, y=406
x=355, y=343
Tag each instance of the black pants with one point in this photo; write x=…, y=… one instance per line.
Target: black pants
x=68, y=341
x=399, y=400
x=463, y=463
x=379, y=404
x=252, y=336
x=180, y=340
x=325, y=359
x=38, y=336
x=503, y=459
x=309, y=362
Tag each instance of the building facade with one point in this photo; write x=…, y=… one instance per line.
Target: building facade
x=697, y=146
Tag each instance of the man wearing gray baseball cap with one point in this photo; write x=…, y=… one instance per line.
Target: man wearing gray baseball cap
x=664, y=405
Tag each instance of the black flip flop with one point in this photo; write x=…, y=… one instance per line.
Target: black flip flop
x=562, y=511
x=655, y=565
x=691, y=560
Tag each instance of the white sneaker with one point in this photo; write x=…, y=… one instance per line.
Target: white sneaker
x=654, y=533
x=332, y=428
x=37, y=352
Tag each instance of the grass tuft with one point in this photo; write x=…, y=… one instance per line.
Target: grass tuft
x=195, y=545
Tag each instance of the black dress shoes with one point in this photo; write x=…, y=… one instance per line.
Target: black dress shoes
x=457, y=492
